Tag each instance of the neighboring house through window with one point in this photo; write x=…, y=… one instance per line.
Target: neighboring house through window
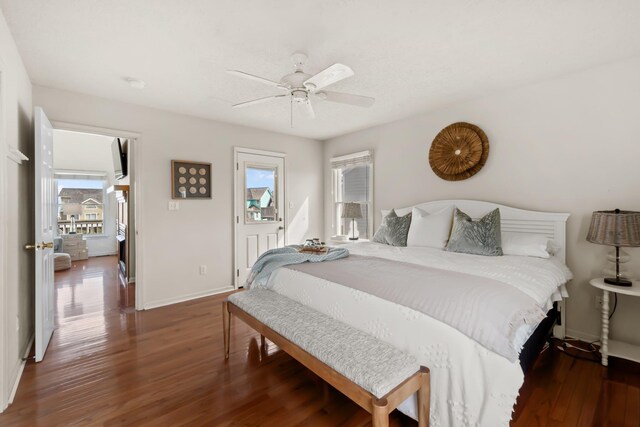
x=260, y=204
x=352, y=181
x=83, y=199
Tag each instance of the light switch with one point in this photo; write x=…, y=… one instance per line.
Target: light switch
x=291, y=205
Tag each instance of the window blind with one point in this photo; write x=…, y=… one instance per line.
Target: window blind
x=361, y=158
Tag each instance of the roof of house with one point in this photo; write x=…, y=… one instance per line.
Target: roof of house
x=256, y=193
x=269, y=212
x=79, y=195
x=92, y=201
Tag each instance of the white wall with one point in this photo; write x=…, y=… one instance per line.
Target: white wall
x=78, y=151
x=16, y=214
x=569, y=145
x=175, y=243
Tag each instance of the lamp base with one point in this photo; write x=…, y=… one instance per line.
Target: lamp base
x=617, y=281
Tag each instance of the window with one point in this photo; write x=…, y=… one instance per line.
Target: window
x=260, y=200
x=79, y=192
x=353, y=183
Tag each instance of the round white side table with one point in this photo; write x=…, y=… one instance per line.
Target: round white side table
x=611, y=347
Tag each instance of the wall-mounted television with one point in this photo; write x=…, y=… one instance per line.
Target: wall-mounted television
x=119, y=158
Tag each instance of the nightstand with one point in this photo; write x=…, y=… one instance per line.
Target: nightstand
x=610, y=347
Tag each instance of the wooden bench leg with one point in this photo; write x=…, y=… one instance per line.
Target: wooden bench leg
x=325, y=392
x=424, y=397
x=226, y=322
x=263, y=342
x=380, y=413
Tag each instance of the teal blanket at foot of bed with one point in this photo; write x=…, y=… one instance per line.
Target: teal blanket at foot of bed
x=273, y=259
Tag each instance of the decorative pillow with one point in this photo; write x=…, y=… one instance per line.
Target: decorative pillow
x=393, y=230
x=430, y=229
x=481, y=237
x=525, y=244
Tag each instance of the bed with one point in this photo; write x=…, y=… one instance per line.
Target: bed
x=472, y=385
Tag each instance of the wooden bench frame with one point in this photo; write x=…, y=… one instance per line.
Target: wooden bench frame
x=378, y=408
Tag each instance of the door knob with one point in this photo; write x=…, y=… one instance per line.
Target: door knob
x=42, y=245
x=281, y=228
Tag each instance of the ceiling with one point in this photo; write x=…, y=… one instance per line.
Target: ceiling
x=411, y=55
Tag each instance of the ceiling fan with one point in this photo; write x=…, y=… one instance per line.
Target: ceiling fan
x=301, y=88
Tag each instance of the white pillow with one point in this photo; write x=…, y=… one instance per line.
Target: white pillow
x=430, y=230
x=399, y=212
x=525, y=244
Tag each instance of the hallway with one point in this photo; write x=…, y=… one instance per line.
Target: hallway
x=88, y=288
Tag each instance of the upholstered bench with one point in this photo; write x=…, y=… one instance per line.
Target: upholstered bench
x=372, y=373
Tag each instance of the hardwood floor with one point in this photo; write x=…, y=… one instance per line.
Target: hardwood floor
x=108, y=365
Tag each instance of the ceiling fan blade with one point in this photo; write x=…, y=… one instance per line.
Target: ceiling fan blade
x=308, y=109
x=258, y=101
x=257, y=79
x=328, y=76
x=347, y=98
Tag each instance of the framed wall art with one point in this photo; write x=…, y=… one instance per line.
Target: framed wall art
x=190, y=180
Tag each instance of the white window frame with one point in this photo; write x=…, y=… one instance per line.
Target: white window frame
x=361, y=157
x=87, y=176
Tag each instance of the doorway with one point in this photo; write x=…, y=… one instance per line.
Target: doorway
x=93, y=201
x=259, y=206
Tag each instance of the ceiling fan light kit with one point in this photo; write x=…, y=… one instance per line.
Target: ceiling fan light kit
x=302, y=88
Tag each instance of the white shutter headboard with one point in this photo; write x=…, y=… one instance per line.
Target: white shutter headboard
x=549, y=224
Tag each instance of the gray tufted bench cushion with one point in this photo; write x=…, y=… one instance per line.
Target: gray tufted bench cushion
x=372, y=364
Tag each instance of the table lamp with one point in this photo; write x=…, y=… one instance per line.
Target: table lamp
x=615, y=228
x=352, y=211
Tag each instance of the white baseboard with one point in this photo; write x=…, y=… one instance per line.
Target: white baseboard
x=21, y=366
x=583, y=336
x=183, y=298
x=96, y=254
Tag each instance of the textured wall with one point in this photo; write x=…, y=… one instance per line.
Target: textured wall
x=175, y=243
x=16, y=213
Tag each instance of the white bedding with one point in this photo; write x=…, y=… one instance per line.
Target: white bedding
x=471, y=386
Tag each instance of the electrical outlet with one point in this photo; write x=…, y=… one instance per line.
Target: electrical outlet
x=174, y=205
x=203, y=270
x=597, y=302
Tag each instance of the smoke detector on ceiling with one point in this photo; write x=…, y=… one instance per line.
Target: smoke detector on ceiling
x=136, y=83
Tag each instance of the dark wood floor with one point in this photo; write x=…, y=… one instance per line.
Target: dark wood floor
x=107, y=365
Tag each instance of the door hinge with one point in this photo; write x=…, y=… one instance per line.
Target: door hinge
x=237, y=220
x=237, y=166
x=238, y=273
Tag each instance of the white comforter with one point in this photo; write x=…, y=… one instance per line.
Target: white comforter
x=471, y=386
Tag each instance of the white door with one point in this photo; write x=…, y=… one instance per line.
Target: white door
x=259, y=199
x=45, y=203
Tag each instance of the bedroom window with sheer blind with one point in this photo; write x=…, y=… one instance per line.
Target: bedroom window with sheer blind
x=352, y=182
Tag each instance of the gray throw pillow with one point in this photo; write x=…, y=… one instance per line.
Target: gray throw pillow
x=481, y=237
x=393, y=230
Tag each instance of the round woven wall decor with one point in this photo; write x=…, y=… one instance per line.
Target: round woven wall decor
x=459, y=151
